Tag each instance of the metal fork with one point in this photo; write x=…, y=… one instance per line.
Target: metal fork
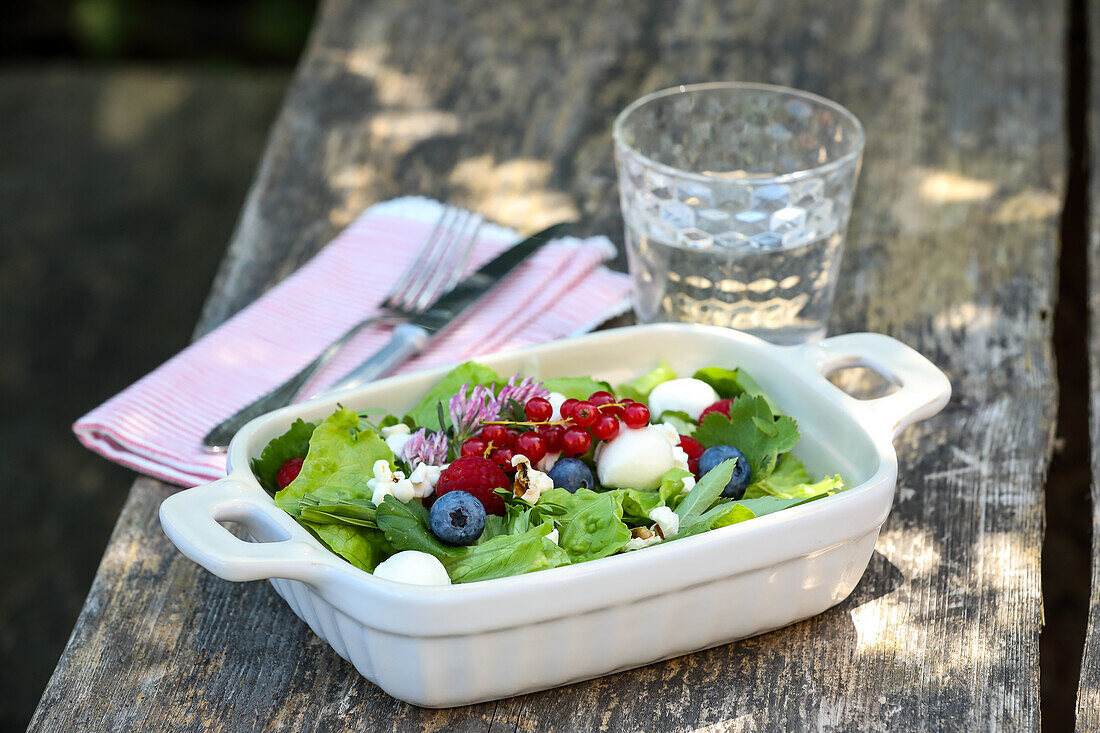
x=433, y=272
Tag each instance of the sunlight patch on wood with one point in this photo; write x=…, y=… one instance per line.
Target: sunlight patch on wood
x=514, y=193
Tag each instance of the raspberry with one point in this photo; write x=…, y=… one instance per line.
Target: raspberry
x=722, y=407
x=288, y=472
x=694, y=449
x=478, y=476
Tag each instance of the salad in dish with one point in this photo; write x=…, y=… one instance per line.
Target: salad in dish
x=490, y=476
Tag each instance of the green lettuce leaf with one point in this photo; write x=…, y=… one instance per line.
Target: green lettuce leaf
x=294, y=443
x=638, y=504
x=672, y=486
x=338, y=465
x=508, y=554
x=362, y=547
x=791, y=481
x=639, y=389
x=751, y=428
x=577, y=388
x=426, y=414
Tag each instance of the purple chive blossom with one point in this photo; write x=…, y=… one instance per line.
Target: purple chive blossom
x=469, y=411
x=425, y=447
x=522, y=390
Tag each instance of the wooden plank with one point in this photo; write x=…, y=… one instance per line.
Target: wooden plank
x=1088, y=689
x=508, y=109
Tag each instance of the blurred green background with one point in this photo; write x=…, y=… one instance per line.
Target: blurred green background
x=130, y=132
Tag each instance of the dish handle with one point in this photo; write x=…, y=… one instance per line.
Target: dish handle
x=192, y=518
x=923, y=390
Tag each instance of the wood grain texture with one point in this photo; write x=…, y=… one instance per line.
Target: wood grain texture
x=1088, y=691
x=508, y=108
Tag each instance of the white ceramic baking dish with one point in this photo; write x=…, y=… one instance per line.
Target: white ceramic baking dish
x=453, y=645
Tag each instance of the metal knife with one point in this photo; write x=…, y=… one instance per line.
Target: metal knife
x=411, y=338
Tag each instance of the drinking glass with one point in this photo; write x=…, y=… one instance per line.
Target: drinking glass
x=736, y=200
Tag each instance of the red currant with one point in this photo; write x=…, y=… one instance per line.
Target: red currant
x=636, y=415
x=605, y=428
x=474, y=447
x=551, y=436
x=584, y=414
x=538, y=409
x=566, y=408
x=532, y=446
x=503, y=458
x=601, y=398
x=576, y=442
x=495, y=434
x=510, y=435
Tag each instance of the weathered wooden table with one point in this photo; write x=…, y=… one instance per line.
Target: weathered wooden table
x=507, y=107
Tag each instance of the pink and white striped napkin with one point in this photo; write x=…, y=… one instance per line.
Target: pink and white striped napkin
x=156, y=425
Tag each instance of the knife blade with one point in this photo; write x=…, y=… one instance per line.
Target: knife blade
x=411, y=338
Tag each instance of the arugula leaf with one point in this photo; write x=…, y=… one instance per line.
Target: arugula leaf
x=722, y=515
x=705, y=493
x=510, y=554
x=577, y=388
x=406, y=527
x=362, y=547
x=680, y=420
x=294, y=443
x=753, y=430
x=734, y=383
x=425, y=414
x=494, y=525
x=639, y=388
x=339, y=463
x=355, y=512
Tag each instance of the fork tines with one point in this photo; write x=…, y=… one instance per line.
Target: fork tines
x=441, y=261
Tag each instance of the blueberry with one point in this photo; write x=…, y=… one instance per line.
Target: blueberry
x=572, y=474
x=457, y=518
x=742, y=472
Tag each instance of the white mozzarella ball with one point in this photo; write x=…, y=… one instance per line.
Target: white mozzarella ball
x=687, y=395
x=555, y=399
x=635, y=459
x=412, y=566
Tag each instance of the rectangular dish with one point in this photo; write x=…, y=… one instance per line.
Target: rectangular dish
x=445, y=646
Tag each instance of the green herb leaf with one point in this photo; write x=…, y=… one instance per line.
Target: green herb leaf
x=638, y=504
x=294, y=443
x=639, y=388
x=472, y=373
x=355, y=512
x=672, y=486
x=592, y=524
x=753, y=430
x=339, y=464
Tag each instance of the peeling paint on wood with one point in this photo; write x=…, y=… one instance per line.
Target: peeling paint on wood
x=953, y=250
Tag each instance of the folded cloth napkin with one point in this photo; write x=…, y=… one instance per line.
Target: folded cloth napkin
x=156, y=425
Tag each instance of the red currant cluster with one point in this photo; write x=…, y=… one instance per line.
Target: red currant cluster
x=582, y=421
